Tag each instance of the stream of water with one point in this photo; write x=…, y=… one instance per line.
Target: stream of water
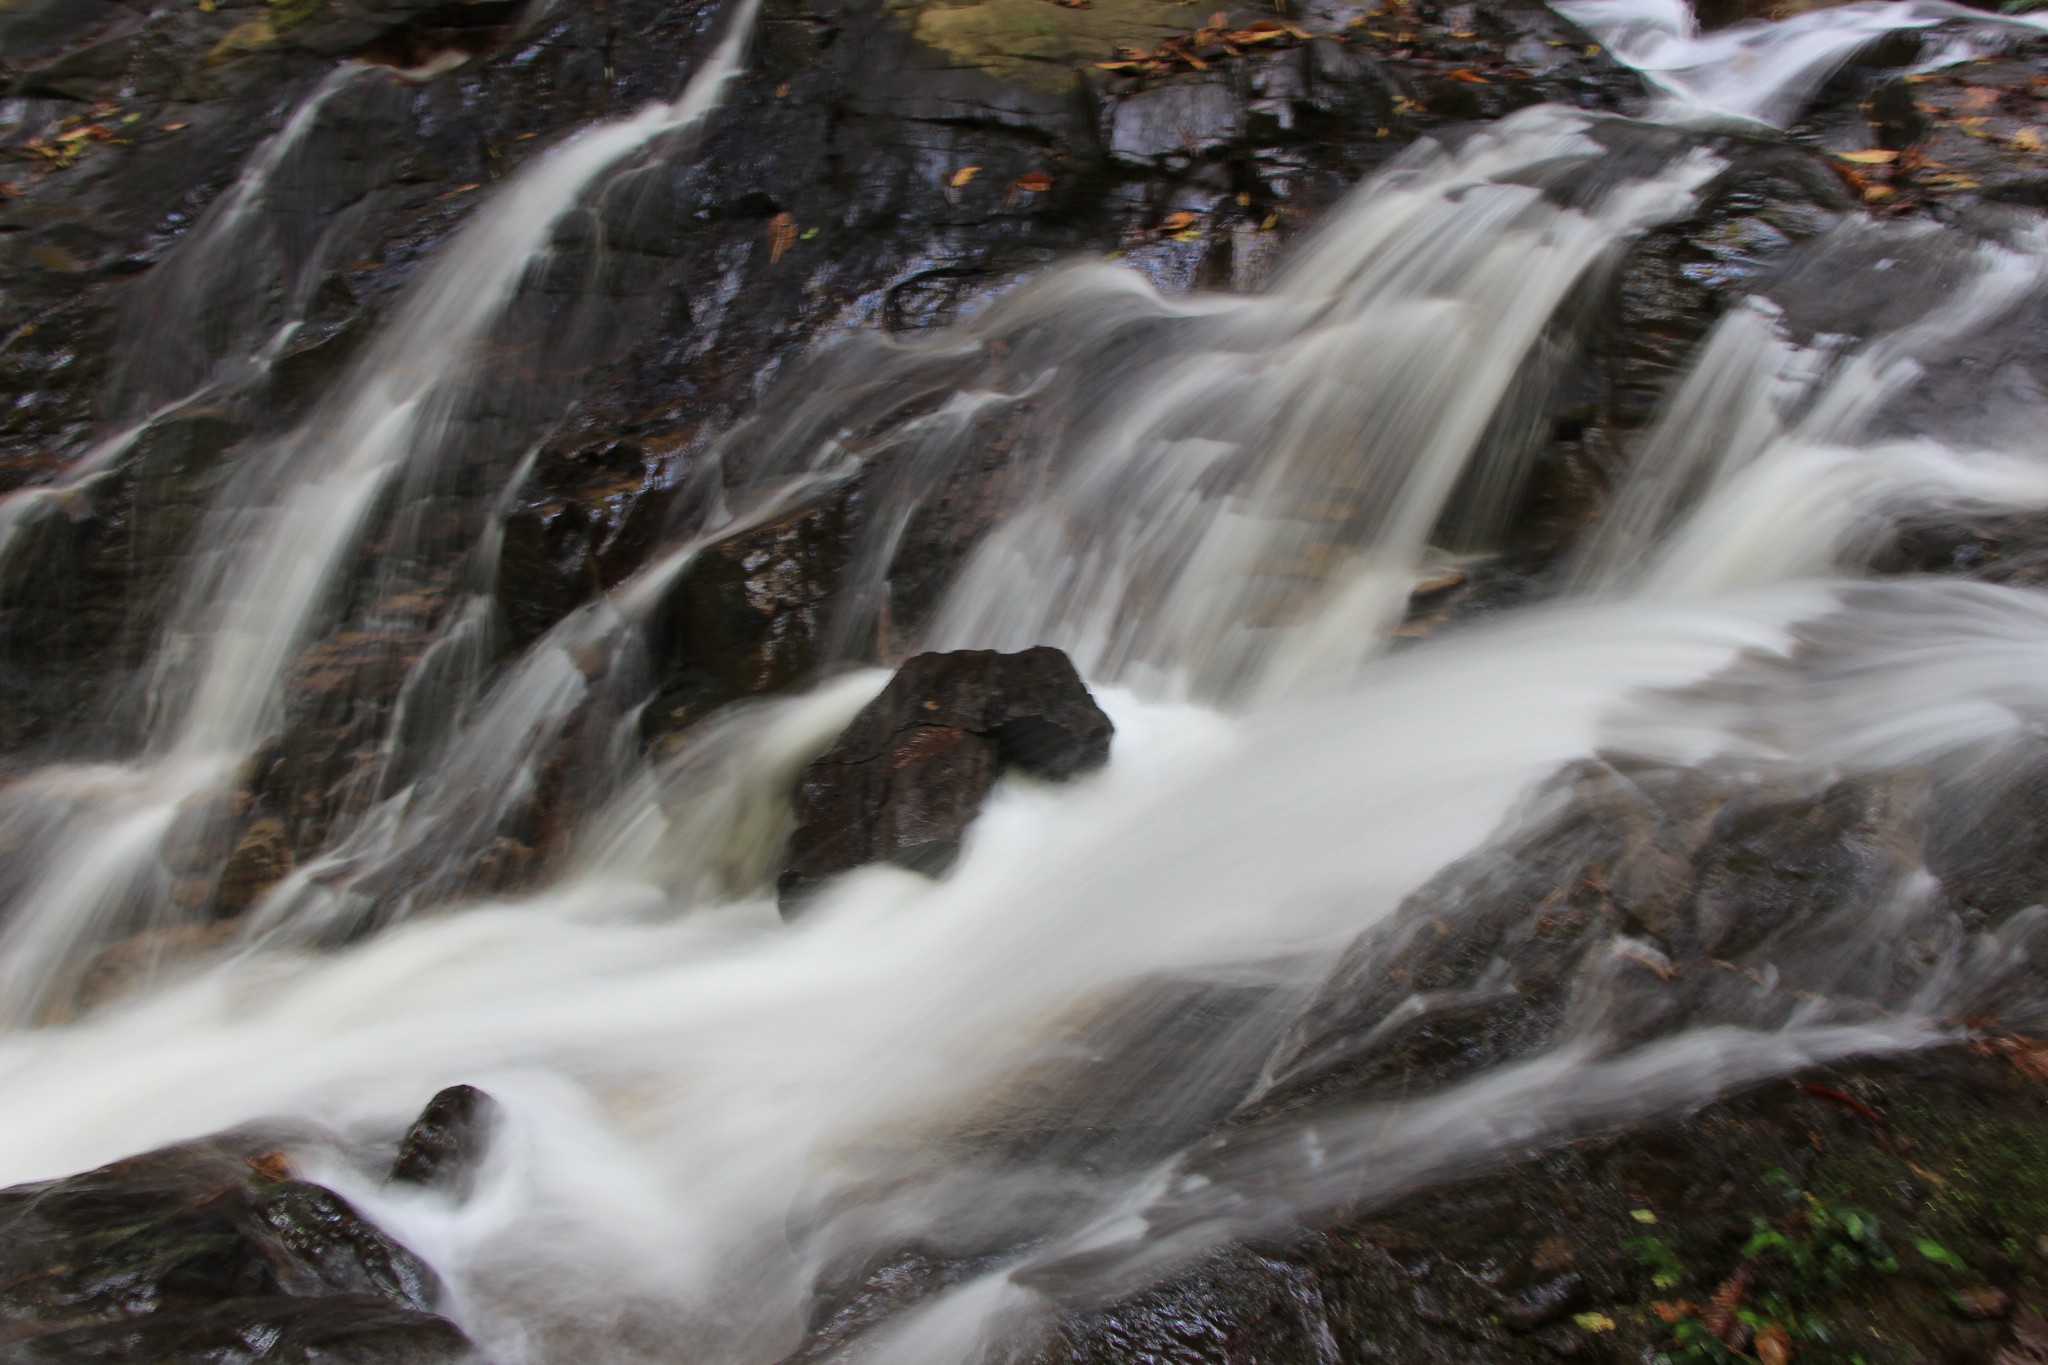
x=706, y=1109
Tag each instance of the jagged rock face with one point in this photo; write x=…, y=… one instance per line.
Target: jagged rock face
x=902, y=783
x=204, y=1252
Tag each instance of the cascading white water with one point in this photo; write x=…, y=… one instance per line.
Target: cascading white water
x=707, y=1110
x=251, y=600
x=177, y=303
x=1254, y=515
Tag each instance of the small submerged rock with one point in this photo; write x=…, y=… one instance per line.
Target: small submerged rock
x=448, y=1141
x=902, y=783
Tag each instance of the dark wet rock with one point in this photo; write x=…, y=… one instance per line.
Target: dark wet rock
x=261, y=858
x=902, y=783
x=187, y=1252
x=1182, y=118
x=1706, y=1183
x=448, y=1141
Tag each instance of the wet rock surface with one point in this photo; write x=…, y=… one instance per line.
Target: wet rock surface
x=448, y=1141
x=205, y=1252
x=903, y=782
x=1624, y=1244
x=897, y=166
x=1885, y=1210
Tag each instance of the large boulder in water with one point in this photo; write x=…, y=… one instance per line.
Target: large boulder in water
x=905, y=779
x=209, y=1251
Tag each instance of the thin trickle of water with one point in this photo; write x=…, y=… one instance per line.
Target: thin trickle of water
x=251, y=601
x=178, y=299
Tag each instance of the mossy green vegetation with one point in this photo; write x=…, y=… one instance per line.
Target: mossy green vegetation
x=1039, y=43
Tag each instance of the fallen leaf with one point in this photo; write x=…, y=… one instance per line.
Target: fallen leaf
x=962, y=176
x=1719, y=1316
x=1978, y=97
x=459, y=189
x=1593, y=1322
x=175, y=127
x=1467, y=75
x=2030, y=140
x=782, y=91
x=781, y=236
x=1671, y=1310
x=1773, y=1346
x=1873, y=157
x=271, y=1166
x=1174, y=222
x=1033, y=182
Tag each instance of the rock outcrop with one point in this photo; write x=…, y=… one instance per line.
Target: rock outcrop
x=203, y=1252
x=902, y=783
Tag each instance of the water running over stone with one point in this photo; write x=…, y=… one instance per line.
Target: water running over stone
x=1095, y=1049
x=249, y=602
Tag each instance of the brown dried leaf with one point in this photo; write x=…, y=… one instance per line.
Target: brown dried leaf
x=1033, y=182
x=781, y=236
x=1719, y=1315
x=1672, y=1310
x=1467, y=75
x=1773, y=1346
x=271, y=1166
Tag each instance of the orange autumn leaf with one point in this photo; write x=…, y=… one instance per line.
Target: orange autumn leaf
x=1033, y=182
x=1773, y=1346
x=962, y=176
x=1467, y=75
x=781, y=236
x=1174, y=222
x=271, y=1166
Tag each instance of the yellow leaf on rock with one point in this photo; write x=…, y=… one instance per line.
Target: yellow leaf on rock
x=1873, y=157
x=1175, y=222
x=2030, y=140
x=1593, y=1322
x=962, y=176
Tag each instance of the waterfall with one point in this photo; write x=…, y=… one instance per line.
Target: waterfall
x=1224, y=505
x=270, y=569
